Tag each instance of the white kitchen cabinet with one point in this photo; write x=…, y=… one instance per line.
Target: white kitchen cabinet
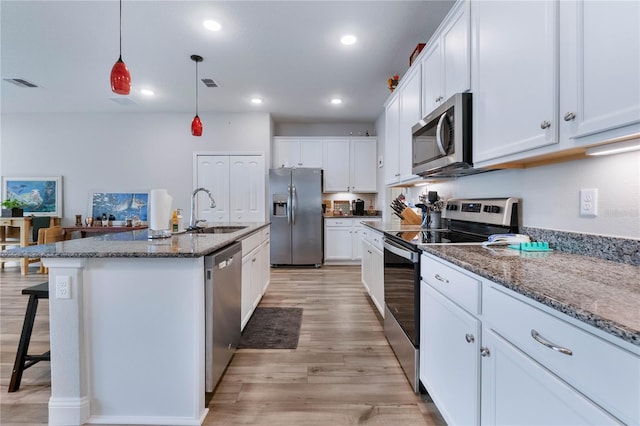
x=450, y=341
x=599, y=85
x=337, y=239
x=349, y=165
x=255, y=272
x=544, y=368
x=401, y=114
x=553, y=83
x=377, y=273
x=363, y=158
x=515, y=87
x=446, y=63
x=391, y=141
x=515, y=389
x=237, y=185
x=410, y=114
x=603, y=372
x=336, y=161
x=297, y=152
x=372, y=266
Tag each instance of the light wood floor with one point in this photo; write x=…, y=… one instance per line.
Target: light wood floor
x=342, y=373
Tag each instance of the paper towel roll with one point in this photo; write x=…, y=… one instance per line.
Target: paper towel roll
x=159, y=209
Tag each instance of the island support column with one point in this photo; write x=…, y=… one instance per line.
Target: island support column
x=69, y=403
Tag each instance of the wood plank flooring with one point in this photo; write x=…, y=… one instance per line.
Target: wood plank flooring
x=342, y=373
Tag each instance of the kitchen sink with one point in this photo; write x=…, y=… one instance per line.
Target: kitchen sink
x=224, y=229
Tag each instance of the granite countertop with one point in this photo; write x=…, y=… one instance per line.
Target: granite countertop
x=599, y=292
x=136, y=244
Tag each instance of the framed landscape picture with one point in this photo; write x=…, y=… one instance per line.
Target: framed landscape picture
x=121, y=205
x=41, y=196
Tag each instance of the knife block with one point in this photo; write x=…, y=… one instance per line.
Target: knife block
x=410, y=217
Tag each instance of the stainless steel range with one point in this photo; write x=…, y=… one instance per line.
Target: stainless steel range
x=464, y=221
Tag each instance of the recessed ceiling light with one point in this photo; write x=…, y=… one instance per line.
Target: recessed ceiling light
x=256, y=101
x=212, y=25
x=348, y=39
x=336, y=101
x=147, y=92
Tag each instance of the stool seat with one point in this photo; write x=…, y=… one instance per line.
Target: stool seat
x=41, y=290
x=23, y=360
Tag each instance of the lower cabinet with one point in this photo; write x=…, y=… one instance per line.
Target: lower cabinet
x=515, y=389
x=342, y=241
x=491, y=356
x=372, y=266
x=449, y=361
x=255, y=272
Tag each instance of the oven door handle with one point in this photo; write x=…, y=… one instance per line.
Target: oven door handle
x=400, y=251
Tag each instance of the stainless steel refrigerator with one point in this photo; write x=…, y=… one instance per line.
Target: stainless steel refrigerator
x=296, y=216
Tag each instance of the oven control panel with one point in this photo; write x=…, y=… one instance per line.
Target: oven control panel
x=496, y=211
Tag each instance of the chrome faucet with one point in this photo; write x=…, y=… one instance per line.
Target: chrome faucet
x=193, y=221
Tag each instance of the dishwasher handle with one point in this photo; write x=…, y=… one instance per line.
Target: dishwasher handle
x=398, y=250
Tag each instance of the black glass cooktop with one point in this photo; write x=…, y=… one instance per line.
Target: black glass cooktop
x=440, y=236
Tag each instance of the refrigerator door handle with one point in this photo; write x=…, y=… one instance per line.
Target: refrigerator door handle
x=294, y=205
x=289, y=204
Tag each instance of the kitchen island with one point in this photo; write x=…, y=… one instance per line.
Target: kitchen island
x=127, y=321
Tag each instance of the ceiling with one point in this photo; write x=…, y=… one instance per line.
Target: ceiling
x=286, y=52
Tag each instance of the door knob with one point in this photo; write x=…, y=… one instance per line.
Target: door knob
x=545, y=125
x=569, y=116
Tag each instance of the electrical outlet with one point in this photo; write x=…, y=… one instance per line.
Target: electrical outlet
x=589, y=202
x=63, y=287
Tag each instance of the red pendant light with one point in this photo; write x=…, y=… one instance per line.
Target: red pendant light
x=120, y=76
x=196, y=124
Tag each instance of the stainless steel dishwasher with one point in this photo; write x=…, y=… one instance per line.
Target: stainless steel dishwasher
x=223, y=276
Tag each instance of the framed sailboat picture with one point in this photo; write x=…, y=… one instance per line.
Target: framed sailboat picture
x=120, y=206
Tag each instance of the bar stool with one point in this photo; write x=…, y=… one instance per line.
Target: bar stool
x=23, y=360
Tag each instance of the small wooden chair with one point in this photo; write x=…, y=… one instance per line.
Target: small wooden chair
x=47, y=236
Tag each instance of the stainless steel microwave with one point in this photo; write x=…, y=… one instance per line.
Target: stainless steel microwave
x=442, y=140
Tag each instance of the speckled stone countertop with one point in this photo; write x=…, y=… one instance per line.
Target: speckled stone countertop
x=136, y=244
x=602, y=293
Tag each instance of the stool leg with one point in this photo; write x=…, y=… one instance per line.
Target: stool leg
x=23, y=346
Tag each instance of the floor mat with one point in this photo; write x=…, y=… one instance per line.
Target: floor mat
x=272, y=328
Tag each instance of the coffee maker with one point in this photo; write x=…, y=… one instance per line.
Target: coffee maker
x=358, y=210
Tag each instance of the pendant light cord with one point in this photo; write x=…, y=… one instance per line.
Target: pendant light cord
x=196, y=87
x=120, y=29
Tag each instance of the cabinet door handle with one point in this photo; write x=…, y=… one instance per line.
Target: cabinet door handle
x=441, y=279
x=538, y=338
x=569, y=116
x=545, y=125
x=469, y=338
x=485, y=352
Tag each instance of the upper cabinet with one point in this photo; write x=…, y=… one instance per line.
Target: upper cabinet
x=440, y=71
x=547, y=77
x=350, y=165
x=599, y=70
x=297, y=152
x=446, y=63
x=401, y=113
x=515, y=65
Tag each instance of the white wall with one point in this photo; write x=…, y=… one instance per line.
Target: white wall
x=122, y=152
x=324, y=129
x=550, y=194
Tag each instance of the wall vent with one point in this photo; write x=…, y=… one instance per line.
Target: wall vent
x=20, y=82
x=209, y=82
